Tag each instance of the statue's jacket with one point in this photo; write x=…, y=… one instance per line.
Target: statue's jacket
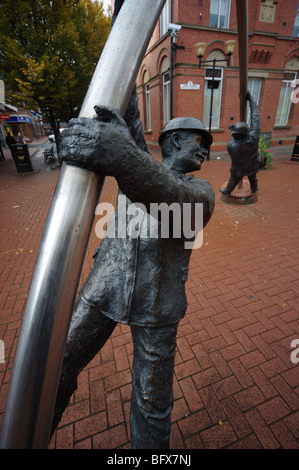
x=138, y=279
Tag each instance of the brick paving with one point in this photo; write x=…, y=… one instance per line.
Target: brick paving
x=235, y=385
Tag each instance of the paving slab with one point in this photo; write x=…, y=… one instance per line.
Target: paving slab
x=236, y=382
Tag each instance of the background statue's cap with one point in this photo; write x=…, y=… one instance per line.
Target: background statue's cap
x=188, y=123
x=239, y=128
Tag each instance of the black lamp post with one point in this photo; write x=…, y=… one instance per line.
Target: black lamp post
x=200, y=49
x=173, y=30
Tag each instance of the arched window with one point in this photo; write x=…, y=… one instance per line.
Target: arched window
x=148, y=124
x=284, y=103
x=213, y=91
x=254, y=87
x=164, y=19
x=296, y=24
x=165, y=71
x=219, y=13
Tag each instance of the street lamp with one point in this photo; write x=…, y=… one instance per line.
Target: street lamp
x=200, y=49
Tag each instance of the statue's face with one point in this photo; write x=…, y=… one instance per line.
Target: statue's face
x=192, y=152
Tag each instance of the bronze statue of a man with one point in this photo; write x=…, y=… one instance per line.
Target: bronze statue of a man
x=136, y=280
x=243, y=150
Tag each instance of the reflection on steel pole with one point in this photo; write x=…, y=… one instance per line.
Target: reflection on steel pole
x=242, y=19
x=35, y=376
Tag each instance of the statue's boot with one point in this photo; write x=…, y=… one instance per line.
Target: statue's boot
x=253, y=183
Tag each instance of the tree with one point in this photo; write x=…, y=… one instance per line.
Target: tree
x=48, y=52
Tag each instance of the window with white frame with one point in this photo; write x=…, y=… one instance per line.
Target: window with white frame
x=219, y=13
x=166, y=98
x=164, y=19
x=254, y=88
x=148, y=107
x=296, y=24
x=284, y=103
x=212, y=91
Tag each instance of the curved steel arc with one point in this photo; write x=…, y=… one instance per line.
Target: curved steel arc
x=35, y=376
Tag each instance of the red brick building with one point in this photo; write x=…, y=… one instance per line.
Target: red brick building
x=171, y=84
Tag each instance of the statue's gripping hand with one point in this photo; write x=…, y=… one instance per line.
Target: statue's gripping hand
x=95, y=143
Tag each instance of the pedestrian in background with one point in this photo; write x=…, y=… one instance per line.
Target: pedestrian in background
x=10, y=140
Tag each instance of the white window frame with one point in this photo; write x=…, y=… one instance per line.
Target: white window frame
x=166, y=97
x=219, y=79
x=164, y=19
x=286, y=105
x=250, y=89
x=148, y=107
x=226, y=26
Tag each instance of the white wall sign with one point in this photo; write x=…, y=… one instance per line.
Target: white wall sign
x=189, y=86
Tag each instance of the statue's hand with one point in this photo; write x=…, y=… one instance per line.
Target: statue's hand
x=95, y=143
x=110, y=115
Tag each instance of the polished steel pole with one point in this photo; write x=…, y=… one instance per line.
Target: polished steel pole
x=242, y=20
x=37, y=365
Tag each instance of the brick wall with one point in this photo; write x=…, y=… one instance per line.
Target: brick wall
x=270, y=47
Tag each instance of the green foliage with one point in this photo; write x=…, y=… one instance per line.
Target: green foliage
x=264, y=154
x=48, y=52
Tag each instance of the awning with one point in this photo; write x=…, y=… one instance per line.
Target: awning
x=17, y=118
x=7, y=107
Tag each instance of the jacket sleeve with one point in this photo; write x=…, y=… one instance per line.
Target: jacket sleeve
x=142, y=179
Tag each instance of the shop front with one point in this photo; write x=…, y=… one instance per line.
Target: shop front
x=19, y=124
